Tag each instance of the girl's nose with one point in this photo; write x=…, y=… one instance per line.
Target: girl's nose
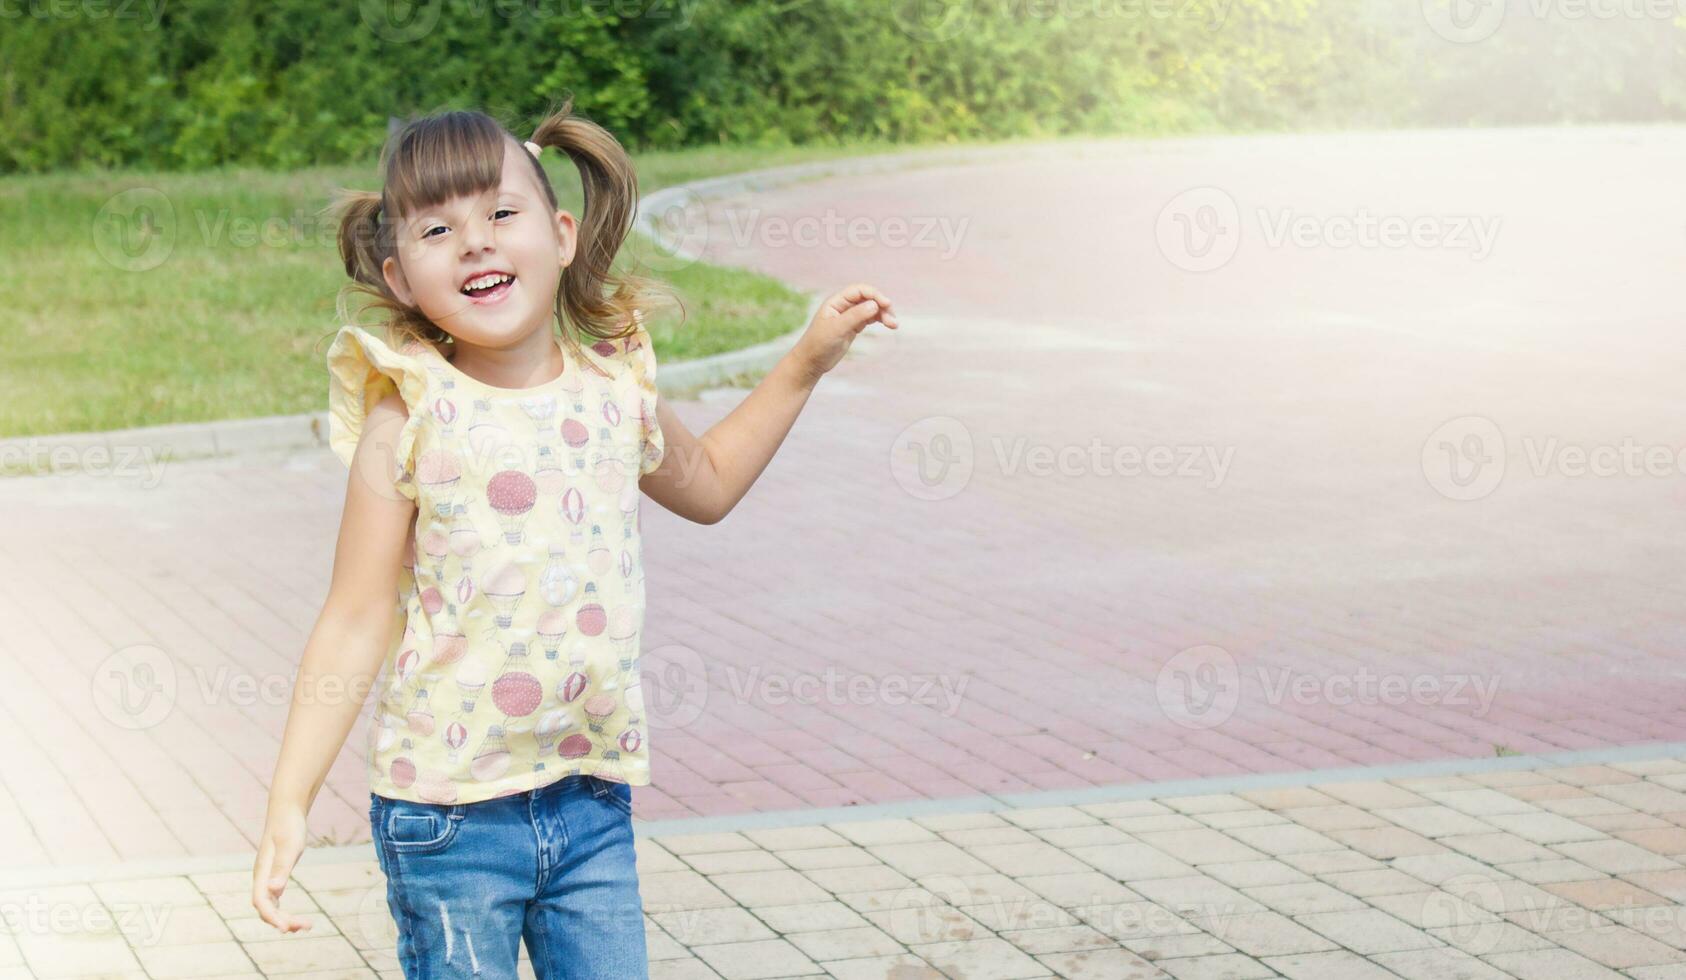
x=477, y=237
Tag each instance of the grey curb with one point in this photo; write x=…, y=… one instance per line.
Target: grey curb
x=905, y=809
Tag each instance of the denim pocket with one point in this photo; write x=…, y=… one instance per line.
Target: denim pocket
x=618, y=794
x=420, y=828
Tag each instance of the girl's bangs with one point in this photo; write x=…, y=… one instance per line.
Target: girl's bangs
x=455, y=155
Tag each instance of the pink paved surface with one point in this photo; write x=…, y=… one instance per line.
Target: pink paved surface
x=1061, y=602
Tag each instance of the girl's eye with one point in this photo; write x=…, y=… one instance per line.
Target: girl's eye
x=429, y=233
x=505, y=211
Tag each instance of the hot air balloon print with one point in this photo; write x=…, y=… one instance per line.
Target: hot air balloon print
x=448, y=648
x=517, y=693
x=465, y=537
x=571, y=687
x=512, y=494
x=576, y=437
x=556, y=583
x=420, y=718
x=573, y=506
x=630, y=740
x=608, y=468
x=504, y=588
x=471, y=680
x=439, y=471
x=491, y=761
x=456, y=734
x=611, y=412
x=445, y=412
x=548, y=473
x=432, y=601
x=552, y=630
x=436, y=544
x=465, y=589
x=402, y=770
x=598, y=709
x=407, y=663
x=551, y=727
x=574, y=746
x=540, y=409
x=598, y=559
x=623, y=634
x=485, y=433
x=591, y=619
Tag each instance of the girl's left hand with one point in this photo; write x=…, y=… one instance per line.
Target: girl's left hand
x=836, y=323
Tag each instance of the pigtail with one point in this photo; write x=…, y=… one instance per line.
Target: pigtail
x=597, y=301
x=365, y=241
x=359, y=237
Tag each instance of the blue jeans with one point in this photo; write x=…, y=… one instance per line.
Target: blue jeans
x=467, y=882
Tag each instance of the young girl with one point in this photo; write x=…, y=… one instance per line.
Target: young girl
x=496, y=466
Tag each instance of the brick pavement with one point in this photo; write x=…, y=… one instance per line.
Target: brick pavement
x=1548, y=873
x=1020, y=631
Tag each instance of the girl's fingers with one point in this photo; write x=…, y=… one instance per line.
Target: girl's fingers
x=854, y=294
x=269, y=880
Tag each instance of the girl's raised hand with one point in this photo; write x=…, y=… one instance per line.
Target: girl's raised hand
x=282, y=843
x=836, y=323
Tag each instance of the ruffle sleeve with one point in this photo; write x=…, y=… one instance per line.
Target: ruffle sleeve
x=640, y=355
x=362, y=370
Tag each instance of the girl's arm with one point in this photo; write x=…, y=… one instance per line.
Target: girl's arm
x=343, y=655
x=702, y=479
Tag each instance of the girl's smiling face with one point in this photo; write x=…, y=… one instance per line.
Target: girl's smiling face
x=485, y=267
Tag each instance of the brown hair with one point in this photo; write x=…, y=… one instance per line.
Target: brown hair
x=438, y=157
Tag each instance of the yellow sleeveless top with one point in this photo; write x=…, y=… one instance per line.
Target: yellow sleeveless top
x=523, y=588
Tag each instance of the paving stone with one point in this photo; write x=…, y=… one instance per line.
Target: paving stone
x=758, y=959
x=1367, y=931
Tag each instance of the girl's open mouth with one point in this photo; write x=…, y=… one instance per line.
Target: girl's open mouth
x=489, y=287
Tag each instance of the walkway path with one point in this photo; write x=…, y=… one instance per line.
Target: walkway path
x=942, y=586
x=1543, y=874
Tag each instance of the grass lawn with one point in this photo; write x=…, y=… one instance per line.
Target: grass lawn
x=234, y=321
